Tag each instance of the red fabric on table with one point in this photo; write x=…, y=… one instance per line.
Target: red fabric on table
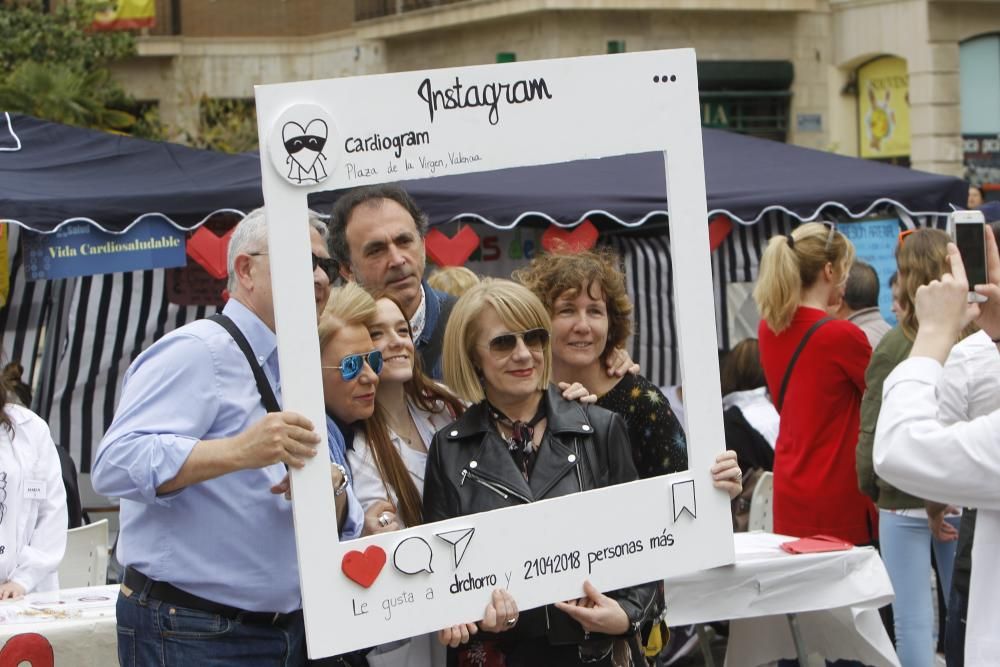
x=815, y=482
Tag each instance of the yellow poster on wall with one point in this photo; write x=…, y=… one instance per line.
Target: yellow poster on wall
x=124, y=14
x=884, y=108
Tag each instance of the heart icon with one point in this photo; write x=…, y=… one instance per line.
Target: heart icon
x=209, y=251
x=570, y=241
x=28, y=647
x=718, y=229
x=364, y=568
x=453, y=251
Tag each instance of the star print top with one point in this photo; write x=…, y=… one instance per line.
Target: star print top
x=656, y=436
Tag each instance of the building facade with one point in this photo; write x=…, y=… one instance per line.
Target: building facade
x=882, y=79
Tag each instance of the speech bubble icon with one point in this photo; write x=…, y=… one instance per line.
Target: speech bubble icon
x=413, y=556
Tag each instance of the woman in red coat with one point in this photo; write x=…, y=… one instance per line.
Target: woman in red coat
x=815, y=482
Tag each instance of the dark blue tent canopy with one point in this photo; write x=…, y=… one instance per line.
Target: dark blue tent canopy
x=51, y=174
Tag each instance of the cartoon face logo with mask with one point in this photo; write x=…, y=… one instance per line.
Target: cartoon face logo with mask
x=303, y=145
x=305, y=150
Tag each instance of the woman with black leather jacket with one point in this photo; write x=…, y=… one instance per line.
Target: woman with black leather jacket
x=520, y=442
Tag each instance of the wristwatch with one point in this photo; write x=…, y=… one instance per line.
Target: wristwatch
x=342, y=487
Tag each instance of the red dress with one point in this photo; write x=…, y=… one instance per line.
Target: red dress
x=815, y=482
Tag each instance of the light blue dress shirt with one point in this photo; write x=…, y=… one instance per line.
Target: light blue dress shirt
x=229, y=539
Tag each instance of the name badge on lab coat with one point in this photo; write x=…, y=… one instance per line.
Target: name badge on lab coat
x=34, y=490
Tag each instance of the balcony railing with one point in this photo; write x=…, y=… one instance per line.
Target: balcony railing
x=374, y=9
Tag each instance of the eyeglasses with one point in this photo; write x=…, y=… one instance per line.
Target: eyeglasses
x=505, y=344
x=903, y=234
x=328, y=264
x=351, y=365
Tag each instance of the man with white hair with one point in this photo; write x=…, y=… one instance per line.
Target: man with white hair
x=199, y=452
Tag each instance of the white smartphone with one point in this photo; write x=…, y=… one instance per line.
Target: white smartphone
x=970, y=237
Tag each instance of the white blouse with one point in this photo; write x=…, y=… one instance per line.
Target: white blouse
x=32, y=504
x=368, y=485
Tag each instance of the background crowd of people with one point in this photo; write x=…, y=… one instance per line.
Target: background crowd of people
x=449, y=395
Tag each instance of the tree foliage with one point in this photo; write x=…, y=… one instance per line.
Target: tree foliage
x=227, y=125
x=53, y=66
x=27, y=33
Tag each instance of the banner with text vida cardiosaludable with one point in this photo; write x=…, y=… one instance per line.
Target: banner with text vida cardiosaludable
x=341, y=133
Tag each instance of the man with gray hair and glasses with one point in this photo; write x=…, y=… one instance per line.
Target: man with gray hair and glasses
x=199, y=452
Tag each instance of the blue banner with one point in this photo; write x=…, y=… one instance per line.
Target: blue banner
x=80, y=249
x=875, y=243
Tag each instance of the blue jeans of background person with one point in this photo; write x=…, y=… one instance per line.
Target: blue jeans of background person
x=954, y=634
x=152, y=633
x=906, y=544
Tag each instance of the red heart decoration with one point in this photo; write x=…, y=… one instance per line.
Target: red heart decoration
x=364, y=568
x=453, y=251
x=209, y=251
x=718, y=229
x=28, y=647
x=575, y=240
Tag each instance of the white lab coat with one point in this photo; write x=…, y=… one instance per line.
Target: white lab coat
x=35, y=501
x=957, y=463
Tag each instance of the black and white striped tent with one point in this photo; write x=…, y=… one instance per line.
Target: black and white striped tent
x=76, y=337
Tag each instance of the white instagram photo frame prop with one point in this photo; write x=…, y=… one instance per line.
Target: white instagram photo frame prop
x=340, y=133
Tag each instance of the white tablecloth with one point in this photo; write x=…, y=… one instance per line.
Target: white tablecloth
x=78, y=624
x=835, y=595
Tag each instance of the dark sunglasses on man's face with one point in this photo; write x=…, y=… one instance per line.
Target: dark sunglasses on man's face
x=327, y=264
x=504, y=344
x=351, y=365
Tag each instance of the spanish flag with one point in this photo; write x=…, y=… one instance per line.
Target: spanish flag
x=124, y=14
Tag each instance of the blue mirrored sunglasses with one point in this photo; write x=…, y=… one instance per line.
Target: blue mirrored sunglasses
x=351, y=365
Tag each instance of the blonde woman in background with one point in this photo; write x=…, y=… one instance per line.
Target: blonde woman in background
x=815, y=485
x=454, y=280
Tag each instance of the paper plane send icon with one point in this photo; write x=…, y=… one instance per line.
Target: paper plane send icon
x=459, y=541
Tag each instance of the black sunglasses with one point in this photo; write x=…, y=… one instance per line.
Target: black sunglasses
x=328, y=264
x=505, y=344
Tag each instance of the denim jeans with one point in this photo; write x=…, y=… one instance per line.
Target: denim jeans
x=152, y=633
x=906, y=544
x=954, y=639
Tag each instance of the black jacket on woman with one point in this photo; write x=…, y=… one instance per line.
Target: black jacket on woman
x=470, y=470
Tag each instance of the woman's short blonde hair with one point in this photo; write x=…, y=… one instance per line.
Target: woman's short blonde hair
x=348, y=305
x=516, y=306
x=454, y=280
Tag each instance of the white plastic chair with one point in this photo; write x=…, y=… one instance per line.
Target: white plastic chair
x=761, y=507
x=86, y=560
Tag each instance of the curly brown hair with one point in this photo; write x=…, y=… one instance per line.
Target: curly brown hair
x=550, y=276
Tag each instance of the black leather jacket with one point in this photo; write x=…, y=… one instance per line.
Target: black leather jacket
x=469, y=470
